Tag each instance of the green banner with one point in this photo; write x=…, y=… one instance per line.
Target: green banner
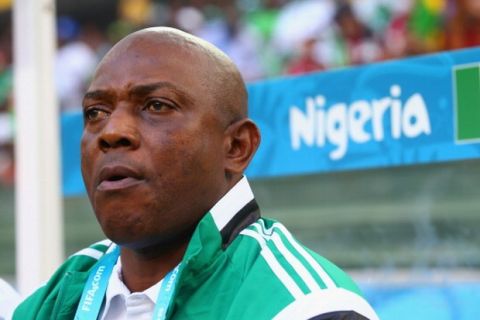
x=467, y=102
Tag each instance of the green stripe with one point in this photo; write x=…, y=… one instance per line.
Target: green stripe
x=280, y=258
x=300, y=257
x=467, y=84
x=288, y=267
x=302, y=260
x=99, y=247
x=338, y=276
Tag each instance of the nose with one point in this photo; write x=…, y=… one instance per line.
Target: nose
x=119, y=132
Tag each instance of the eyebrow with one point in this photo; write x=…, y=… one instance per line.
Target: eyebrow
x=97, y=95
x=140, y=91
x=146, y=89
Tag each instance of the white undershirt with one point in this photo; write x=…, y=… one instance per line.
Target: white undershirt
x=121, y=304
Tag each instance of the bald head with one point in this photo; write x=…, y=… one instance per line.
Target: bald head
x=217, y=73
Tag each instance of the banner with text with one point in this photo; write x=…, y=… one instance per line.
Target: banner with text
x=411, y=111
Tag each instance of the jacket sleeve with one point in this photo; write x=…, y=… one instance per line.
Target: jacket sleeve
x=64, y=288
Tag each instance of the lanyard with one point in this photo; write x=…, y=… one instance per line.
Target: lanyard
x=97, y=283
x=165, y=294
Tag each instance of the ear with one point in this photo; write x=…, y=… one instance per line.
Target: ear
x=242, y=139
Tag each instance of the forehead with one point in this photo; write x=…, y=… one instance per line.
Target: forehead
x=147, y=59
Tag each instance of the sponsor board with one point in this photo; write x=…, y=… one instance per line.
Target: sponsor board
x=412, y=111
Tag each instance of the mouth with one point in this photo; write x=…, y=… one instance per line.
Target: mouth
x=118, y=177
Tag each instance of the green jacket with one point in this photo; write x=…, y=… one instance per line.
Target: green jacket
x=237, y=266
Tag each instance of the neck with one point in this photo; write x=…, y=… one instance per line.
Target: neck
x=141, y=269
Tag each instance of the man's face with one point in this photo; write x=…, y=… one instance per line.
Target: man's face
x=152, y=146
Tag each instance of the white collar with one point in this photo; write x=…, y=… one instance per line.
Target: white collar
x=116, y=287
x=232, y=202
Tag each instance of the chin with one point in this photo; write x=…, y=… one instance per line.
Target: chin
x=151, y=244
x=121, y=229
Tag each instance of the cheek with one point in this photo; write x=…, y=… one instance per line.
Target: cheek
x=172, y=157
x=194, y=151
x=179, y=159
x=87, y=156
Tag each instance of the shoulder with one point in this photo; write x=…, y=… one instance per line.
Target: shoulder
x=283, y=252
x=82, y=260
x=90, y=254
x=72, y=272
x=315, y=286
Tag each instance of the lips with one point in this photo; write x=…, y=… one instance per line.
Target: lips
x=118, y=177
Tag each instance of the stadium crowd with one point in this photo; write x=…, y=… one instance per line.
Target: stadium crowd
x=265, y=39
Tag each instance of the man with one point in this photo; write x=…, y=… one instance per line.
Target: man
x=165, y=143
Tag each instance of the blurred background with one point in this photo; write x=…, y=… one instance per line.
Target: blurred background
x=393, y=228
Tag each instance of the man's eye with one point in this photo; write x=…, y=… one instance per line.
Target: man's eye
x=157, y=106
x=93, y=114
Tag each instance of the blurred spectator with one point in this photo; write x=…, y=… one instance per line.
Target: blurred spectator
x=264, y=38
x=237, y=40
x=190, y=19
x=6, y=111
x=306, y=61
x=463, y=29
x=426, y=32
x=263, y=19
x=354, y=40
x=396, y=36
x=6, y=149
x=78, y=53
x=300, y=21
x=137, y=12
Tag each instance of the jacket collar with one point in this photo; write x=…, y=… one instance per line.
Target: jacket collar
x=234, y=211
x=221, y=224
x=207, y=250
